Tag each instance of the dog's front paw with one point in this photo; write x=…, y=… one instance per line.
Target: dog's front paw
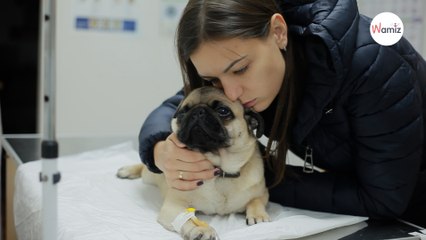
x=201, y=233
x=256, y=212
x=259, y=217
x=130, y=172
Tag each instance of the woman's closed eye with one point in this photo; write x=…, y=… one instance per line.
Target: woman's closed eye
x=241, y=70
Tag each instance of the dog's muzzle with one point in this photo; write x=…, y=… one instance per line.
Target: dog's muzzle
x=200, y=129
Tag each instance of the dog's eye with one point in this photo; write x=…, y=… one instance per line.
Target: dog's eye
x=184, y=109
x=224, y=112
x=215, y=82
x=181, y=112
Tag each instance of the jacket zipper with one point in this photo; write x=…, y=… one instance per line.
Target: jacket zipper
x=308, y=166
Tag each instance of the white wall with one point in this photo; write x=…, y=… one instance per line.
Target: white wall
x=108, y=82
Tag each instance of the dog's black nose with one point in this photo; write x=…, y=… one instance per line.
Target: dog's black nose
x=199, y=113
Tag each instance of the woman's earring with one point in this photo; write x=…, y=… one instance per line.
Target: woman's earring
x=284, y=48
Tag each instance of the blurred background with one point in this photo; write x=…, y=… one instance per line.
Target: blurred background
x=115, y=61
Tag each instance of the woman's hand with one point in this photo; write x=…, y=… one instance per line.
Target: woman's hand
x=183, y=169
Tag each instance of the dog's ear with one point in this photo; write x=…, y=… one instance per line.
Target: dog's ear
x=254, y=121
x=178, y=109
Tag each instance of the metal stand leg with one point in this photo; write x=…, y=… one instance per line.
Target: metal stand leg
x=49, y=176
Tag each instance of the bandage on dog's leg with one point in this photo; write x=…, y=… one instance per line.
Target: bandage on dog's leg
x=183, y=217
x=195, y=220
x=168, y=213
x=194, y=228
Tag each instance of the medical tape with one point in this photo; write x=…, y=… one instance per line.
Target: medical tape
x=182, y=218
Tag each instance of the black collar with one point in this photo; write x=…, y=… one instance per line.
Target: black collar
x=224, y=174
x=229, y=175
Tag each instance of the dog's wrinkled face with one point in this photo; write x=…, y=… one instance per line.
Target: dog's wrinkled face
x=207, y=121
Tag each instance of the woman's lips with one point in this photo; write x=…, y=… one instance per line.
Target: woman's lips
x=250, y=103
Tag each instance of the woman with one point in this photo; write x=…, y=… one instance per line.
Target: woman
x=326, y=90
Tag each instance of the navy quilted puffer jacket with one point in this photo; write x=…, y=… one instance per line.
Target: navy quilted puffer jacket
x=362, y=117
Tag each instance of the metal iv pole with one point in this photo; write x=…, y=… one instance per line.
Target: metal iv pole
x=49, y=175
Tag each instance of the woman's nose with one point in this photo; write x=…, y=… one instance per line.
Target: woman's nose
x=232, y=89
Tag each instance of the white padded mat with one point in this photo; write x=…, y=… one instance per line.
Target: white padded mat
x=94, y=204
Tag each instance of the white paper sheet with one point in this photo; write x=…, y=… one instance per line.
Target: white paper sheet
x=94, y=204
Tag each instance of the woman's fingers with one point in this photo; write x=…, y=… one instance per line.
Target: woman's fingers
x=192, y=176
x=173, y=138
x=186, y=185
x=185, y=181
x=188, y=165
x=183, y=169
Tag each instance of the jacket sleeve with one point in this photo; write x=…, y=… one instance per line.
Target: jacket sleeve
x=157, y=128
x=387, y=127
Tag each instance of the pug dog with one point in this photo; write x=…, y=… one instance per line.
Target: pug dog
x=225, y=132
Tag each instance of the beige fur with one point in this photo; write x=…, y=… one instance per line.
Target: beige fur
x=246, y=193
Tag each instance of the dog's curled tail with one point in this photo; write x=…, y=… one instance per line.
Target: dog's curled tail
x=130, y=172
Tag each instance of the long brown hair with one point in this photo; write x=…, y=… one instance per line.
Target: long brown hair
x=205, y=20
